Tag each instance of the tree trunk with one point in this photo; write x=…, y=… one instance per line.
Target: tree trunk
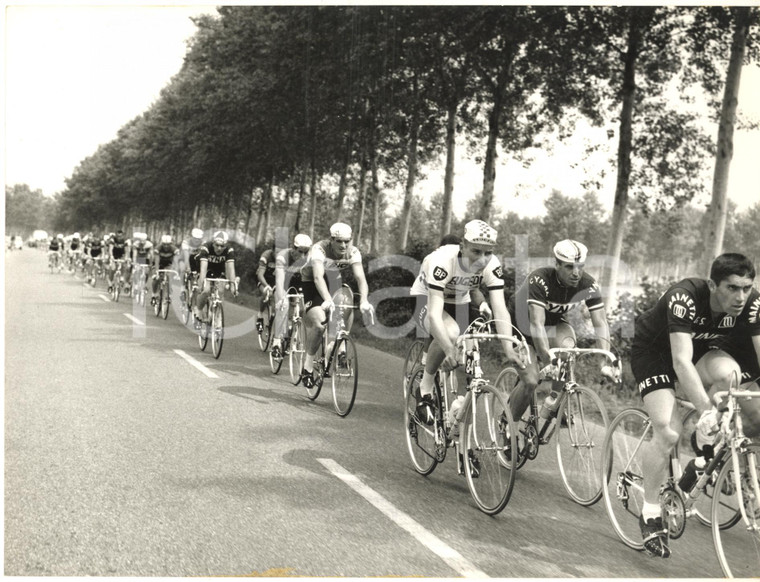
x=448, y=179
x=343, y=179
x=301, y=197
x=620, y=207
x=313, y=210
x=249, y=213
x=494, y=126
x=376, y=206
x=362, y=197
x=411, y=177
x=716, y=215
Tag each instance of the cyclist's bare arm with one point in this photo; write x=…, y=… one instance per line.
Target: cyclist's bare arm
x=260, y=275
x=537, y=315
x=504, y=325
x=361, y=281
x=279, y=283
x=229, y=270
x=688, y=378
x=601, y=328
x=202, y=273
x=318, y=268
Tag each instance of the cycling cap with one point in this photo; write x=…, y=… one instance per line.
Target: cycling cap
x=140, y=236
x=220, y=236
x=570, y=251
x=478, y=232
x=196, y=233
x=75, y=235
x=341, y=230
x=59, y=236
x=166, y=239
x=302, y=241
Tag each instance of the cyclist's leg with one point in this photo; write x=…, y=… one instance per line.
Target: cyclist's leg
x=436, y=354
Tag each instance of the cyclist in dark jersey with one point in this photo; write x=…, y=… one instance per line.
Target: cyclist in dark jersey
x=94, y=249
x=287, y=274
x=217, y=261
x=164, y=257
x=669, y=340
x=538, y=308
x=265, y=282
x=118, y=246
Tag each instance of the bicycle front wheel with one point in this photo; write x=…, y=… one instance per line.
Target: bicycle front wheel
x=413, y=357
x=217, y=329
x=184, y=307
x=622, y=478
x=297, y=351
x=203, y=334
x=345, y=375
x=489, y=445
x=318, y=373
x=583, y=422
x=265, y=335
x=527, y=437
x=738, y=547
x=164, y=301
x=422, y=439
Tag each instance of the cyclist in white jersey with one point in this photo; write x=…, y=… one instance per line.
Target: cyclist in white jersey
x=448, y=275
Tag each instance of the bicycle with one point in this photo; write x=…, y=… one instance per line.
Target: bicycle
x=161, y=307
x=139, y=279
x=486, y=442
x=344, y=374
x=580, y=416
x=212, y=320
x=267, y=312
x=118, y=279
x=188, y=296
x=54, y=262
x=294, y=332
x=729, y=482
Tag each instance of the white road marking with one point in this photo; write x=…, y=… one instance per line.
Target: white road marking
x=195, y=363
x=134, y=319
x=449, y=555
x=104, y=298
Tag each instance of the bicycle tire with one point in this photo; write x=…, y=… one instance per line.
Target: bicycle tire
x=318, y=373
x=581, y=426
x=344, y=375
x=489, y=440
x=738, y=548
x=265, y=335
x=527, y=438
x=217, y=330
x=203, y=334
x=165, y=300
x=413, y=356
x=622, y=476
x=184, y=307
x=424, y=442
x=116, y=291
x=297, y=351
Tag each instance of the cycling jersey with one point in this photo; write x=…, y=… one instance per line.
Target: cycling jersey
x=119, y=246
x=268, y=262
x=192, y=246
x=74, y=244
x=95, y=248
x=543, y=288
x=291, y=261
x=166, y=253
x=323, y=251
x=143, y=250
x=443, y=270
x=216, y=262
x=54, y=245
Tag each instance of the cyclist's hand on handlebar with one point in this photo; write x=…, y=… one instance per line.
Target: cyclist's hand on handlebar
x=611, y=372
x=234, y=288
x=516, y=356
x=450, y=362
x=485, y=311
x=327, y=305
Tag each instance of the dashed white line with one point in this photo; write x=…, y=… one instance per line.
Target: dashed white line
x=134, y=319
x=448, y=554
x=195, y=363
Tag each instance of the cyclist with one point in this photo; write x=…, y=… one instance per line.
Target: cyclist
x=75, y=248
x=266, y=280
x=55, y=248
x=287, y=274
x=668, y=339
x=538, y=308
x=217, y=261
x=188, y=262
x=142, y=249
x=118, y=246
x=163, y=258
x=448, y=275
x=322, y=279
x=94, y=250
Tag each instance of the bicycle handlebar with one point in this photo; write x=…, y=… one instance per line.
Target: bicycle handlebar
x=608, y=354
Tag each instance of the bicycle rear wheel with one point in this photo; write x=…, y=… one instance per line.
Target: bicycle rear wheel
x=345, y=375
x=622, y=478
x=265, y=335
x=318, y=373
x=489, y=443
x=582, y=423
x=164, y=301
x=217, y=329
x=527, y=438
x=738, y=547
x=203, y=332
x=297, y=351
x=275, y=363
x=424, y=442
x=185, y=306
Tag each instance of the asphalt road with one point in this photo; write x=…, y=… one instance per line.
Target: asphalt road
x=122, y=458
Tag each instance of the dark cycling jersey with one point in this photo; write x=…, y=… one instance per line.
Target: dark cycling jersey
x=166, y=253
x=119, y=246
x=267, y=261
x=543, y=288
x=216, y=262
x=54, y=245
x=74, y=244
x=95, y=247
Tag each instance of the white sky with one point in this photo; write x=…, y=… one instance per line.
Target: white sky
x=75, y=74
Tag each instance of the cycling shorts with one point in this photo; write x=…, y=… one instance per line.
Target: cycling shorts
x=463, y=313
x=653, y=369
x=311, y=297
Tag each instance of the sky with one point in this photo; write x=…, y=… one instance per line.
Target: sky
x=75, y=74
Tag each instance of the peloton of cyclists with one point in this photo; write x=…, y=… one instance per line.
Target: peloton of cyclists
x=694, y=338
x=322, y=282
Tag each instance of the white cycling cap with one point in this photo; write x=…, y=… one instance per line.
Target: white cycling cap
x=302, y=241
x=478, y=232
x=570, y=251
x=341, y=230
x=220, y=236
x=166, y=239
x=196, y=233
x=75, y=235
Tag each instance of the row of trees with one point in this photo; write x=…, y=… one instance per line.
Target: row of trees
x=299, y=116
